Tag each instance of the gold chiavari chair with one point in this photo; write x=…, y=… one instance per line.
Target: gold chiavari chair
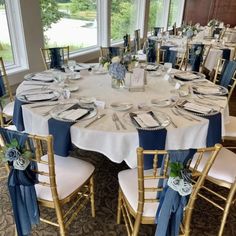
x=137, y=39
x=64, y=53
x=7, y=100
x=62, y=181
x=222, y=173
x=110, y=52
x=138, y=202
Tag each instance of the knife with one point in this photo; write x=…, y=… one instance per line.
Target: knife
x=97, y=118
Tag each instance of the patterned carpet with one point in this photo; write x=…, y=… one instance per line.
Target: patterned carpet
x=206, y=218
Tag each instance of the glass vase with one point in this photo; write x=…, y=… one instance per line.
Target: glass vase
x=117, y=83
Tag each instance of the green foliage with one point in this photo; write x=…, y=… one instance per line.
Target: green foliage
x=175, y=169
x=155, y=14
x=85, y=5
x=122, y=20
x=6, y=52
x=2, y=2
x=50, y=13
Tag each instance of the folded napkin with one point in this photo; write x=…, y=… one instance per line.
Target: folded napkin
x=151, y=67
x=17, y=115
x=73, y=114
x=39, y=97
x=186, y=76
x=197, y=108
x=43, y=77
x=208, y=90
x=145, y=120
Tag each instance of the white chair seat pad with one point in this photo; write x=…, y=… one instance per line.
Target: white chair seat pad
x=230, y=128
x=223, y=167
x=128, y=181
x=8, y=109
x=71, y=173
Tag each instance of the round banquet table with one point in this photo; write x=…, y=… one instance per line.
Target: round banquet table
x=102, y=136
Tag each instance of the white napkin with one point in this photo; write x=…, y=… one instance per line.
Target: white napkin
x=208, y=90
x=39, y=97
x=197, y=108
x=187, y=76
x=43, y=77
x=73, y=114
x=146, y=120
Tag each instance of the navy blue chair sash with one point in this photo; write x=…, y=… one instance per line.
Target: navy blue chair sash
x=60, y=130
x=21, y=188
x=227, y=73
x=2, y=86
x=196, y=56
x=17, y=115
x=56, y=58
x=171, y=206
x=152, y=140
x=226, y=53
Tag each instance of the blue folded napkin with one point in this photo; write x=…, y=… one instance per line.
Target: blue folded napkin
x=17, y=115
x=152, y=140
x=21, y=188
x=61, y=136
x=166, y=53
x=171, y=206
x=227, y=73
x=172, y=57
x=2, y=86
x=151, y=53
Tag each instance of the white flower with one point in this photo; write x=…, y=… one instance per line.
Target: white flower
x=115, y=60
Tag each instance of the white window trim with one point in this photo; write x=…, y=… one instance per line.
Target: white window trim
x=16, y=31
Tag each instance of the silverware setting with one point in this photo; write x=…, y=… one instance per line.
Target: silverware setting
x=177, y=112
x=172, y=122
x=98, y=117
x=116, y=117
x=44, y=105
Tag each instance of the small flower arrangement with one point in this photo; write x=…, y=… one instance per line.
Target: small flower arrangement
x=180, y=179
x=189, y=30
x=116, y=69
x=213, y=23
x=19, y=157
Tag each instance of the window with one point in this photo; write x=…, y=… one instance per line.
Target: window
x=5, y=41
x=12, y=43
x=123, y=18
x=156, y=14
x=175, y=12
x=72, y=23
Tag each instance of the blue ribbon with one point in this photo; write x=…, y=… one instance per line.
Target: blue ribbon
x=171, y=206
x=60, y=130
x=227, y=73
x=17, y=115
x=2, y=86
x=226, y=53
x=152, y=140
x=22, y=190
x=172, y=57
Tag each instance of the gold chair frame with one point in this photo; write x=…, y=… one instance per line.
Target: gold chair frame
x=45, y=53
x=216, y=79
x=9, y=96
x=78, y=198
x=133, y=217
x=138, y=39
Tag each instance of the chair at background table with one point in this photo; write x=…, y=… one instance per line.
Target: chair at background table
x=138, y=189
x=61, y=180
x=137, y=40
x=222, y=173
x=158, y=30
x=6, y=97
x=110, y=52
x=55, y=57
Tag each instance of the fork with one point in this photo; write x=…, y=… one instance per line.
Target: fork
x=115, y=121
x=178, y=113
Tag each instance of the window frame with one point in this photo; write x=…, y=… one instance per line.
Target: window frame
x=17, y=37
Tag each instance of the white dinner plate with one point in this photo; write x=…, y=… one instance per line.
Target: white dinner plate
x=188, y=75
x=72, y=87
x=87, y=100
x=121, y=106
x=38, y=95
x=64, y=107
x=210, y=90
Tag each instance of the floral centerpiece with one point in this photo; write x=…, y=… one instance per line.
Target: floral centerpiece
x=129, y=61
x=189, y=30
x=213, y=23
x=117, y=71
x=14, y=154
x=105, y=61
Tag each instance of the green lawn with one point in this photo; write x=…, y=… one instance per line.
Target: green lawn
x=6, y=52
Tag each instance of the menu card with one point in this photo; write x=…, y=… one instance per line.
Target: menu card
x=137, y=80
x=145, y=120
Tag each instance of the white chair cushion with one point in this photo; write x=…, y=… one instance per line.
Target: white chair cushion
x=9, y=108
x=128, y=181
x=71, y=173
x=230, y=128
x=223, y=168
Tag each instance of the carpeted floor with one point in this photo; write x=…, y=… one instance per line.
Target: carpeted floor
x=206, y=218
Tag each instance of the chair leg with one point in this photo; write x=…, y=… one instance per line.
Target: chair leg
x=92, y=196
x=119, y=207
x=227, y=207
x=16, y=234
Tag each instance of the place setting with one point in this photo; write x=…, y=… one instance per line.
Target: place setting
x=188, y=75
x=210, y=90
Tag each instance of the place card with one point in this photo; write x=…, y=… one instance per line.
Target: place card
x=100, y=104
x=137, y=80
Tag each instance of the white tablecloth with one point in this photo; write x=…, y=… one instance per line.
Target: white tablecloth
x=103, y=137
